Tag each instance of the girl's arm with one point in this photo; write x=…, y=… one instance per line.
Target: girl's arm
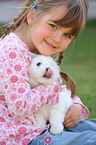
x=76, y=100
x=76, y=112
x=21, y=99
x=85, y=112
x=72, y=117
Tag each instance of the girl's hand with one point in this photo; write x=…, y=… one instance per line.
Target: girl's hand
x=73, y=115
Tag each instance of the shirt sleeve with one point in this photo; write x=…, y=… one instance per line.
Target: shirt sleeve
x=76, y=100
x=85, y=112
x=20, y=98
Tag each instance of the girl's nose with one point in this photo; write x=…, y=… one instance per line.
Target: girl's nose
x=57, y=36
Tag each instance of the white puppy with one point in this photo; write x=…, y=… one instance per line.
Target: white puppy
x=44, y=70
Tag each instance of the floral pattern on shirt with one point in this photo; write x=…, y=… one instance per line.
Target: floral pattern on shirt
x=17, y=100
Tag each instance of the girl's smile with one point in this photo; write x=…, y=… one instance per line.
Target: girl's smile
x=50, y=45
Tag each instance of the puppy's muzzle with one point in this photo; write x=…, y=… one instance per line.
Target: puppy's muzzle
x=48, y=73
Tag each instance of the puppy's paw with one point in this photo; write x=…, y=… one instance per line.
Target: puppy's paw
x=56, y=129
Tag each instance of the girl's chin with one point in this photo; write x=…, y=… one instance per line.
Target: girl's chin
x=45, y=53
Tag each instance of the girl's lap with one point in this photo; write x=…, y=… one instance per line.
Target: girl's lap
x=84, y=133
x=84, y=125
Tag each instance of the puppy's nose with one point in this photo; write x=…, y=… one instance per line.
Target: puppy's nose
x=49, y=72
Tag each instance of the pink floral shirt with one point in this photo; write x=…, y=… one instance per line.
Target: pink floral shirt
x=17, y=100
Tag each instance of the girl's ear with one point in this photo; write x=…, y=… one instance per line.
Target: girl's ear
x=31, y=15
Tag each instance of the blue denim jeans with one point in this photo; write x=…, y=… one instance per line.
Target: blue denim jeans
x=82, y=134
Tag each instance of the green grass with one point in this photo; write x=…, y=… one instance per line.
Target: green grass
x=80, y=63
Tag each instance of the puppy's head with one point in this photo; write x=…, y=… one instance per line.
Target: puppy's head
x=43, y=70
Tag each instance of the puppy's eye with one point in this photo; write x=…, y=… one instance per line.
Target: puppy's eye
x=39, y=63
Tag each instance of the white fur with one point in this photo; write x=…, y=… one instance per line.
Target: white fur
x=55, y=113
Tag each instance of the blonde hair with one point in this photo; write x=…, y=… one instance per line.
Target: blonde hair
x=75, y=16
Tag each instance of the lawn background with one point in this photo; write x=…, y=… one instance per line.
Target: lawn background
x=80, y=63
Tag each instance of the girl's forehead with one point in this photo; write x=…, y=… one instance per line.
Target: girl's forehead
x=57, y=13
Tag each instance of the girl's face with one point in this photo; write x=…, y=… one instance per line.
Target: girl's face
x=47, y=37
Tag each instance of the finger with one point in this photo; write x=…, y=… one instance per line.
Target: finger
x=70, y=124
x=71, y=121
x=67, y=116
x=67, y=122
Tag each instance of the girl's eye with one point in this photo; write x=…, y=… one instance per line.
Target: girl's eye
x=53, y=26
x=66, y=35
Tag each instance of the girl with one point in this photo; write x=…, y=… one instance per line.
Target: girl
x=46, y=27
